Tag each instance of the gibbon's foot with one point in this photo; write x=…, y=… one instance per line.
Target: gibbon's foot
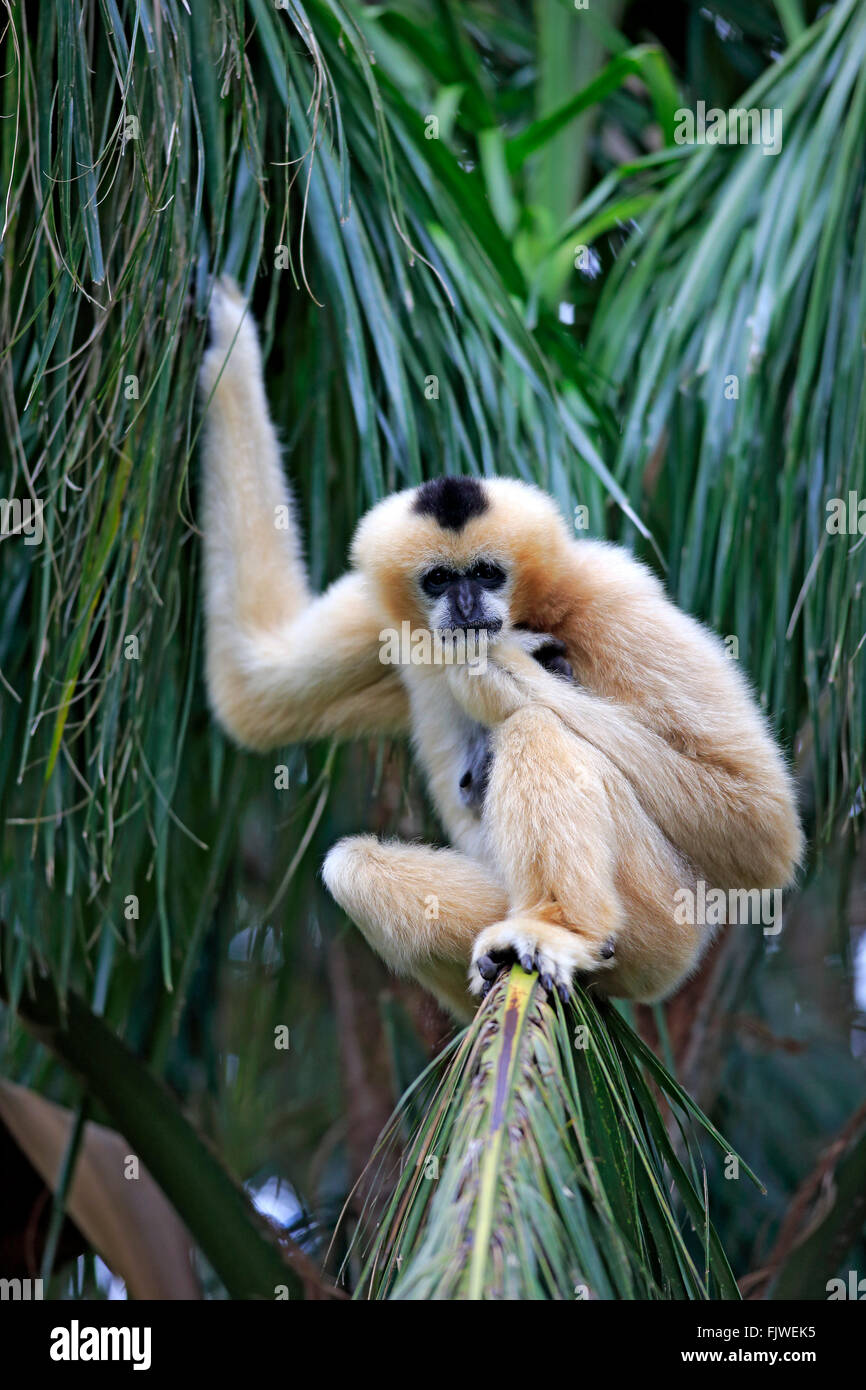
x=491, y=966
x=554, y=952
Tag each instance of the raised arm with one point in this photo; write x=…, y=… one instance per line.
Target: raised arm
x=282, y=664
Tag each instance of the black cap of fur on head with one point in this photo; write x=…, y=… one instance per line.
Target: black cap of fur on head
x=452, y=501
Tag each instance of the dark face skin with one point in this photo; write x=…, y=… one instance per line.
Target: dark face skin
x=464, y=592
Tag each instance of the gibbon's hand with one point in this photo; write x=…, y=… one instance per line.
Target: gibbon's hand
x=491, y=692
x=547, y=651
x=515, y=665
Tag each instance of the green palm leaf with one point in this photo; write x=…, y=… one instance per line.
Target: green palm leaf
x=543, y=1168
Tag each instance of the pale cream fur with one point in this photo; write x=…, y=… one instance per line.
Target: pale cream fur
x=606, y=796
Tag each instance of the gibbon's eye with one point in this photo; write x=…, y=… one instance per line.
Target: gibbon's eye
x=436, y=581
x=487, y=573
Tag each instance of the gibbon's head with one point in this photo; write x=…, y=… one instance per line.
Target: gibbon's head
x=466, y=553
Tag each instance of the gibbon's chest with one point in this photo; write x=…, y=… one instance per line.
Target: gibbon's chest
x=454, y=754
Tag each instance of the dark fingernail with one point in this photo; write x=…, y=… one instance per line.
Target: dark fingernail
x=563, y=992
x=608, y=949
x=526, y=962
x=548, y=983
x=486, y=967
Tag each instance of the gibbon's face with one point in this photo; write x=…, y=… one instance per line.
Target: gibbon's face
x=472, y=597
x=465, y=553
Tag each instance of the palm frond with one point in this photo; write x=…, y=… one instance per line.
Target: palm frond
x=543, y=1168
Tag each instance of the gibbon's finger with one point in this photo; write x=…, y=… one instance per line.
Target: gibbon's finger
x=555, y=953
x=491, y=966
x=554, y=983
x=553, y=979
x=555, y=663
x=549, y=652
x=487, y=968
x=552, y=975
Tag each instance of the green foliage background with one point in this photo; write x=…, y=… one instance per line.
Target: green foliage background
x=146, y=147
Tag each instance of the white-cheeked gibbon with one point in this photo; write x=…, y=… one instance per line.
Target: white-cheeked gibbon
x=606, y=756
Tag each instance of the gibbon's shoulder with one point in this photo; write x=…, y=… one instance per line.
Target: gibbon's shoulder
x=618, y=602
x=605, y=564
x=608, y=588
x=608, y=579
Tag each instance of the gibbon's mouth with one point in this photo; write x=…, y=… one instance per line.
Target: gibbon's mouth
x=490, y=625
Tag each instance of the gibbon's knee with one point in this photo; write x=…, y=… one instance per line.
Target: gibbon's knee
x=345, y=870
x=419, y=908
x=413, y=902
x=358, y=882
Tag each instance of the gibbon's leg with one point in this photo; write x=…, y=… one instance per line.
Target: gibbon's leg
x=419, y=908
x=654, y=951
x=282, y=664
x=590, y=880
x=551, y=835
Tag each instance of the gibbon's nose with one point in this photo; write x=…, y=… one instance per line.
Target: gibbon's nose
x=465, y=599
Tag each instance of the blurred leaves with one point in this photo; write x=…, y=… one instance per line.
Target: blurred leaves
x=122, y=1213
x=216, y=1211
